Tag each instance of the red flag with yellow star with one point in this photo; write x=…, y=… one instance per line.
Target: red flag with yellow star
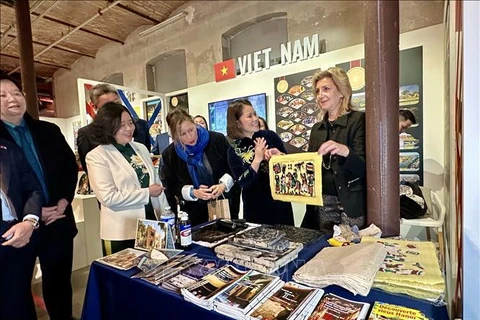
x=225, y=70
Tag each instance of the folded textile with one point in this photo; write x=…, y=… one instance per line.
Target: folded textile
x=410, y=267
x=352, y=267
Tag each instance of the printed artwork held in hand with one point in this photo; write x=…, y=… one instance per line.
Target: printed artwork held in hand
x=151, y=234
x=297, y=178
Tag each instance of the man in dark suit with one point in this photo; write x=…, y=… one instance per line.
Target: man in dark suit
x=53, y=162
x=99, y=95
x=20, y=207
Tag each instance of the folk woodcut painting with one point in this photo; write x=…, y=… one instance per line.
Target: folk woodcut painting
x=297, y=178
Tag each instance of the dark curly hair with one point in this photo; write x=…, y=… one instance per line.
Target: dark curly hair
x=107, y=122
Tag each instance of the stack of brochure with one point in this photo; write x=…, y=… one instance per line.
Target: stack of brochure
x=352, y=267
x=243, y=296
x=189, y=276
x=287, y=301
x=169, y=269
x=204, y=292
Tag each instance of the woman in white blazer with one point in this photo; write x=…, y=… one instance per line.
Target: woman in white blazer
x=123, y=178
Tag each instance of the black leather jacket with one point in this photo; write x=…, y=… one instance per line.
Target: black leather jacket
x=349, y=171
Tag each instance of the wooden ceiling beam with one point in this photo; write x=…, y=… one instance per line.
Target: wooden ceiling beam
x=49, y=18
x=36, y=61
x=138, y=13
x=69, y=50
x=82, y=29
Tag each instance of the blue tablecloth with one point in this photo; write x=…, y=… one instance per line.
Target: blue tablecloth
x=112, y=294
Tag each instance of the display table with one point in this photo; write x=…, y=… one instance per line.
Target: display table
x=112, y=294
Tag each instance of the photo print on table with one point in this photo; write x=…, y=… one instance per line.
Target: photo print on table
x=151, y=234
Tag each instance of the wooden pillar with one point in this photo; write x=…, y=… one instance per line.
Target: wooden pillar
x=382, y=146
x=24, y=36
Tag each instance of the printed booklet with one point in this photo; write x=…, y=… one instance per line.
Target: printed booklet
x=333, y=307
x=386, y=311
x=204, y=292
x=244, y=295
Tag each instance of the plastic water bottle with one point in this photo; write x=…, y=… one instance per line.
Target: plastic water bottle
x=169, y=217
x=185, y=229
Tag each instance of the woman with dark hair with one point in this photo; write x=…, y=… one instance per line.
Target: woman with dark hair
x=262, y=123
x=123, y=178
x=201, y=121
x=195, y=166
x=248, y=160
x=339, y=137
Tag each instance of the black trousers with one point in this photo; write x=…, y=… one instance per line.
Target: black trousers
x=16, y=270
x=55, y=252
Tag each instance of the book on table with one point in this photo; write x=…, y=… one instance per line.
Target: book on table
x=387, y=311
x=204, y=292
x=289, y=301
x=244, y=295
x=333, y=307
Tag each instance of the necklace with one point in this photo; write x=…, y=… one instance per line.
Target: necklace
x=329, y=163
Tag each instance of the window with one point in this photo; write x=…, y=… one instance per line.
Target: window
x=167, y=72
x=267, y=31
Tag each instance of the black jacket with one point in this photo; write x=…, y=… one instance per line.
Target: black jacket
x=18, y=181
x=349, y=172
x=85, y=142
x=59, y=167
x=176, y=174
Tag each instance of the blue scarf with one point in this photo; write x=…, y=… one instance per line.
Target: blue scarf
x=193, y=156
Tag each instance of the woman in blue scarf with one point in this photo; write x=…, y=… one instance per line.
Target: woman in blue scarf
x=195, y=166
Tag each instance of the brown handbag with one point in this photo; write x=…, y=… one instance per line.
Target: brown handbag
x=218, y=209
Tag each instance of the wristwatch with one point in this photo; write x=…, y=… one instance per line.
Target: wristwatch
x=34, y=223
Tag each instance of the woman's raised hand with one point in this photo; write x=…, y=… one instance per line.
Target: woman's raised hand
x=260, y=147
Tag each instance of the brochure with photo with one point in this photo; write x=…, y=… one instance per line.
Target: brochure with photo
x=156, y=258
x=288, y=302
x=203, y=292
x=189, y=276
x=334, y=307
x=244, y=295
x=123, y=260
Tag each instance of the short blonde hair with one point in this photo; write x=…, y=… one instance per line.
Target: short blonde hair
x=341, y=81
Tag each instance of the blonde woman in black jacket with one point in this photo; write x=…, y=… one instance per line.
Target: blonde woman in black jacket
x=339, y=137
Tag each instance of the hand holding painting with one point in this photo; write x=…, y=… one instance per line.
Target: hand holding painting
x=269, y=153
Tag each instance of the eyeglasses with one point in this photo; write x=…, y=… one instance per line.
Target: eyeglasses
x=329, y=163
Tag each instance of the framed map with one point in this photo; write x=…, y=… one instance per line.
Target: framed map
x=297, y=178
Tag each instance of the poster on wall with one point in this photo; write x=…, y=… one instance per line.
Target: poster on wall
x=295, y=110
x=410, y=96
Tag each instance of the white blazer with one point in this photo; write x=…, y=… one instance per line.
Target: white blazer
x=118, y=190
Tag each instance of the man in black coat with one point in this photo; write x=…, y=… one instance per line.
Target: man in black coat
x=54, y=164
x=20, y=207
x=99, y=95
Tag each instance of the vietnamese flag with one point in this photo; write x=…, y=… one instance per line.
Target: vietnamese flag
x=225, y=70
